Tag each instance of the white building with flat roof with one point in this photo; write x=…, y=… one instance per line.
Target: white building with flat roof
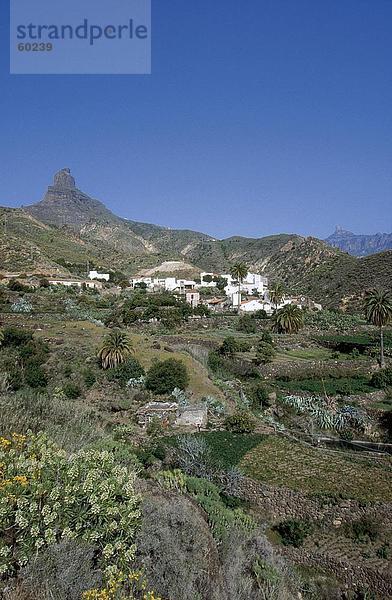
x=96, y=275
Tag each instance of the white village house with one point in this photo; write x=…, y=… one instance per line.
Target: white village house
x=96, y=275
x=92, y=285
x=254, y=291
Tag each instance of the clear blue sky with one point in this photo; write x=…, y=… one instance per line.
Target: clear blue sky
x=260, y=117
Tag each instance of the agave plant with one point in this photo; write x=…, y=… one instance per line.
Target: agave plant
x=180, y=397
x=115, y=349
x=324, y=416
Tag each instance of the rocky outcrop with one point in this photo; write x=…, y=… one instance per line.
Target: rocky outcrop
x=360, y=245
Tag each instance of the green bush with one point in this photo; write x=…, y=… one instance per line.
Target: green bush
x=246, y=324
x=363, y=529
x=259, y=395
x=215, y=361
x=240, y=422
x=293, y=532
x=220, y=516
x=166, y=375
x=14, y=337
x=384, y=551
x=35, y=376
x=89, y=378
x=16, y=286
x=260, y=314
x=72, y=390
x=130, y=369
x=35, y=350
x=265, y=353
x=382, y=379
x=231, y=345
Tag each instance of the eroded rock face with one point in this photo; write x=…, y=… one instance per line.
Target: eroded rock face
x=64, y=180
x=65, y=205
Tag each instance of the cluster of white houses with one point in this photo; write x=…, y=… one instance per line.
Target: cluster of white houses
x=253, y=296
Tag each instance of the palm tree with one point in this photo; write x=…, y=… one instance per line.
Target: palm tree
x=378, y=311
x=115, y=349
x=276, y=294
x=288, y=319
x=239, y=271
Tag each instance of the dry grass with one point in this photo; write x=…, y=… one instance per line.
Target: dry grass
x=86, y=337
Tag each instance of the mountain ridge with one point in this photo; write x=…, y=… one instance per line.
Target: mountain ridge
x=359, y=244
x=67, y=230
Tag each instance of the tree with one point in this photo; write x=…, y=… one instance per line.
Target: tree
x=276, y=294
x=265, y=353
x=246, y=324
x=229, y=346
x=221, y=283
x=166, y=375
x=115, y=349
x=378, y=311
x=239, y=271
x=288, y=319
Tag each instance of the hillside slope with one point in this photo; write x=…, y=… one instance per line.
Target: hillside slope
x=68, y=231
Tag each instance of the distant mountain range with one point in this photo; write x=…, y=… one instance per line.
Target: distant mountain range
x=68, y=231
x=360, y=245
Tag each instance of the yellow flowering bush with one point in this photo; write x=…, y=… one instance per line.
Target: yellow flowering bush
x=46, y=496
x=121, y=587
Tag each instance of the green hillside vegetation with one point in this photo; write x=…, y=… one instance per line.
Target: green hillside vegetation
x=213, y=510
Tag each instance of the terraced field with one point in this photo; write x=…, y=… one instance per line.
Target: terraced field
x=282, y=462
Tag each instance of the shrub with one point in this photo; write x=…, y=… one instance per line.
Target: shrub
x=62, y=571
x=220, y=517
x=34, y=350
x=260, y=314
x=14, y=337
x=259, y=395
x=240, y=422
x=246, y=324
x=193, y=456
x=164, y=376
x=47, y=496
x=267, y=338
x=89, y=378
x=231, y=345
x=35, y=376
x=130, y=369
x=384, y=551
x=382, y=379
x=363, y=529
x=215, y=361
x=265, y=353
x=72, y=390
x=293, y=533
x=16, y=286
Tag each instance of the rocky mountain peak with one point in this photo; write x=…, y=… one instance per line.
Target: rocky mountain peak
x=64, y=180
